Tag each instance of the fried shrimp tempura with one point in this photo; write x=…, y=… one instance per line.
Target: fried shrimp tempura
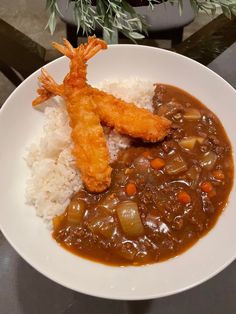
x=90, y=148
x=128, y=119
x=87, y=106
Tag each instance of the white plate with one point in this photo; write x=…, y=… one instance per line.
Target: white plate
x=20, y=124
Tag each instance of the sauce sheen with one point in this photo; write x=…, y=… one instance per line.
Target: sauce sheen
x=163, y=197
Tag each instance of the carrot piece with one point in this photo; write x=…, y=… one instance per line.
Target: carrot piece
x=131, y=189
x=184, y=197
x=218, y=175
x=207, y=187
x=146, y=154
x=157, y=163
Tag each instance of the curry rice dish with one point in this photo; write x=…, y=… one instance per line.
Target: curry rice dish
x=163, y=197
x=125, y=185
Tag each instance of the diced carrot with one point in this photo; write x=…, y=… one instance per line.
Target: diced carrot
x=157, y=163
x=146, y=154
x=207, y=187
x=184, y=197
x=131, y=189
x=218, y=175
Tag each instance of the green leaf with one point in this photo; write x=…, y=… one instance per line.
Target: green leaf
x=126, y=34
x=77, y=20
x=195, y=6
x=213, y=11
x=49, y=4
x=136, y=35
x=226, y=11
x=151, y=3
x=233, y=8
x=51, y=22
x=180, y=6
x=208, y=5
x=58, y=10
x=127, y=7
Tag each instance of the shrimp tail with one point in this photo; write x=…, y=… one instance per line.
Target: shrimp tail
x=48, y=89
x=83, y=51
x=68, y=50
x=79, y=56
x=93, y=46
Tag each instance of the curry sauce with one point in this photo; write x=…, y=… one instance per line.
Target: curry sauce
x=163, y=197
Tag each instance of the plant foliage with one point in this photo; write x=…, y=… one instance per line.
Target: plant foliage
x=119, y=15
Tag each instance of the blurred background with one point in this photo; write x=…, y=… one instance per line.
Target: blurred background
x=24, y=22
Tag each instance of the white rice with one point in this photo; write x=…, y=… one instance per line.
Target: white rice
x=54, y=177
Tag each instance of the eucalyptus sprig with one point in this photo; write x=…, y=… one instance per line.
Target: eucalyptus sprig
x=111, y=15
x=52, y=7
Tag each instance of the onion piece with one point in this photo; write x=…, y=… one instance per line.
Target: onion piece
x=141, y=163
x=129, y=218
x=192, y=114
x=175, y=165
x=109, y=202
x=56, y=221
x=208, y=160
x=75, y=212
x=103, y=225
x=190, y=141
x=193, y=175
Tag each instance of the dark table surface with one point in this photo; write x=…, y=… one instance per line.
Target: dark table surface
x=23, y=290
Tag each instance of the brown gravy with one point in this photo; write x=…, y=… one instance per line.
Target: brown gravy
x=163, y=198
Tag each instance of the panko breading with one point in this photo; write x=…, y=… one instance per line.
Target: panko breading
x=88, y=106
x=90, y=148
x=128, y=119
